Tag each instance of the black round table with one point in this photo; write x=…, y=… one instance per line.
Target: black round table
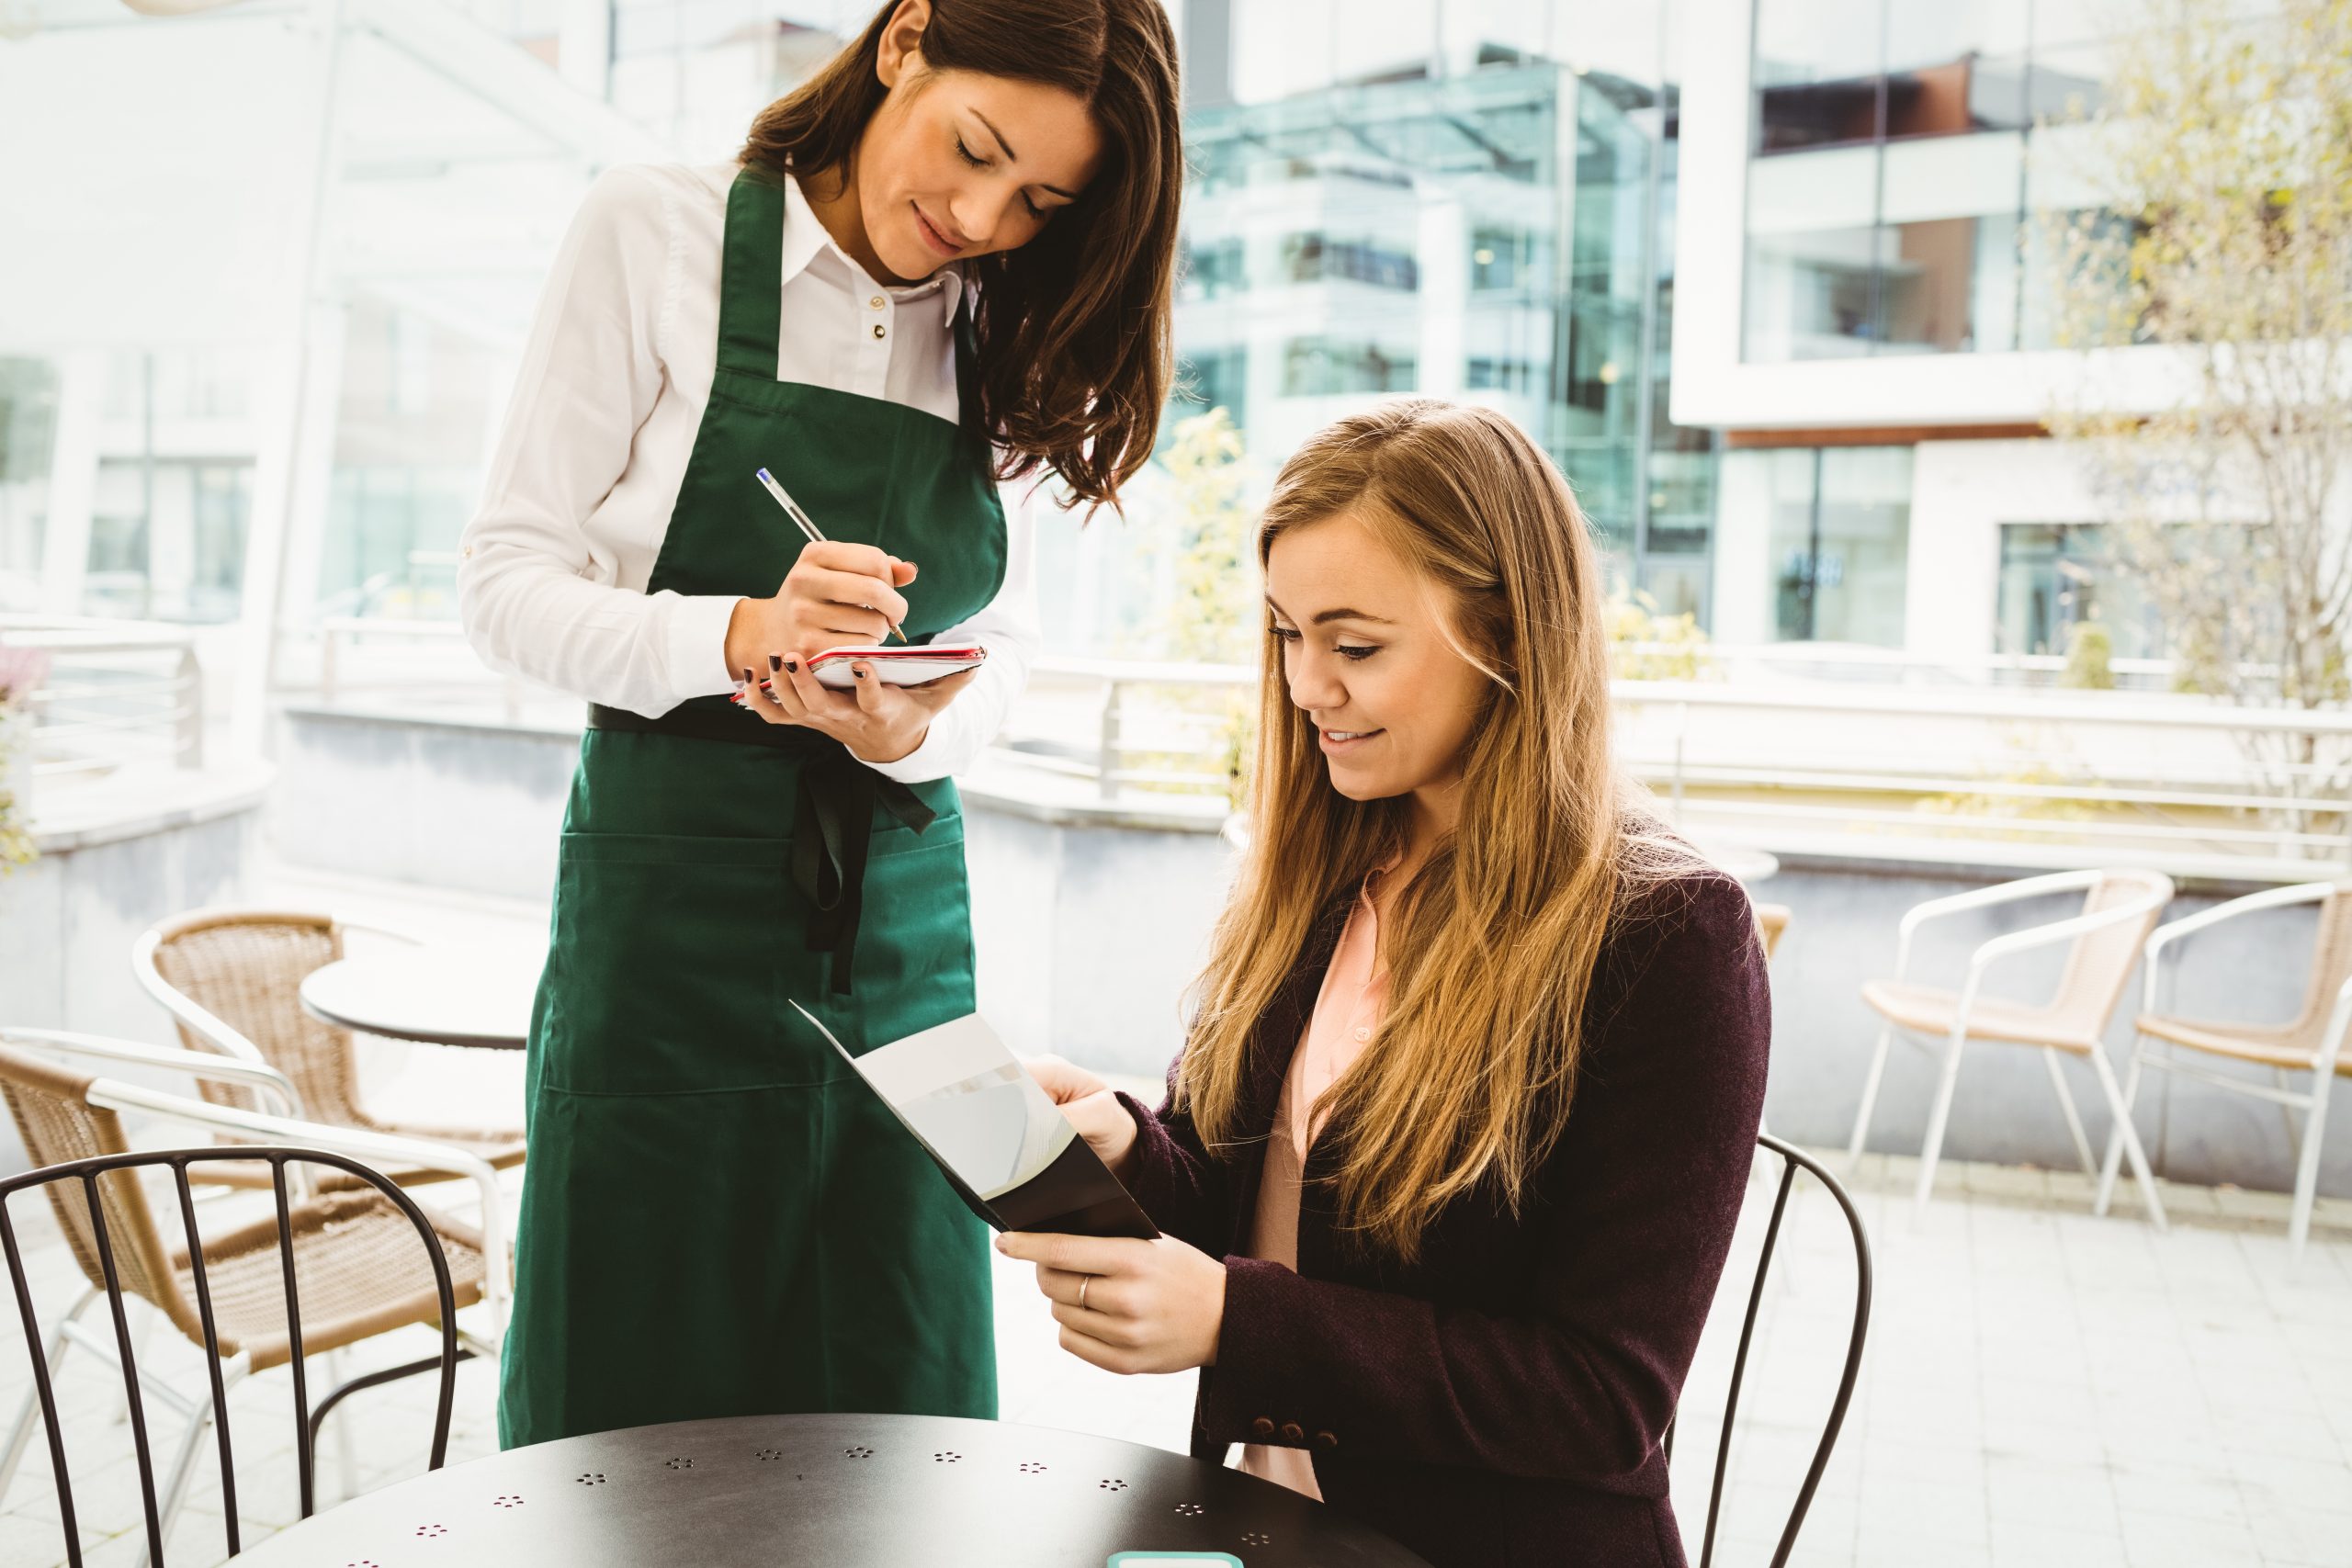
x=835, y=1491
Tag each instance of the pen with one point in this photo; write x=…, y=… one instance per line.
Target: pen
x=792, y=510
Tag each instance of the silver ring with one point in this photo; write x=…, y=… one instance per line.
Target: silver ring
x=1084, y=1280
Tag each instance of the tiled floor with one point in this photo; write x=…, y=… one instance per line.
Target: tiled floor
x=2041, y=1386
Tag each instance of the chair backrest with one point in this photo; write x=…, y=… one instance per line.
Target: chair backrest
x=2100, y=963
x=2331, y=967
x=1772, y=925
x=96, y=1177
x=1791, y=1160
x=246, y=968
x=53, y=1114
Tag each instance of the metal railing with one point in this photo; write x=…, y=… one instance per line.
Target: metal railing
x=1892, y=771
x=118, y=693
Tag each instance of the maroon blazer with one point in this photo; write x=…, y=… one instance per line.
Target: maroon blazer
x=1501, y=1401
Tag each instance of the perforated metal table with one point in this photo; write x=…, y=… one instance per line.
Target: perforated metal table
x=840, y=1491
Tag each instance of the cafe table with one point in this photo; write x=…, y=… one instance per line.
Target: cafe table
x=836, y=1490
x=436, y=993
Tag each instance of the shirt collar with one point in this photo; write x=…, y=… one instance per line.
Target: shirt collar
x=805, y=239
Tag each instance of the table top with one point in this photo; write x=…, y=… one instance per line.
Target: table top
x=843, y=1490
x=439, y=994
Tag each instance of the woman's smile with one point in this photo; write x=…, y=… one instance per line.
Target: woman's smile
x=933, y=236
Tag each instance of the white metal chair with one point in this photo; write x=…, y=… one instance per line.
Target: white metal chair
x=2118, y=908
x=232, y=980
x=2312, y=1041
x=338, y=1239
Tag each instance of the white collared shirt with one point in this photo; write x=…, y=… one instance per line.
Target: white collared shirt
x=553, y=568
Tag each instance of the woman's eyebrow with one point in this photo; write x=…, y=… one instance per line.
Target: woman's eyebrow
x=1329, y=616
x=1012, y=157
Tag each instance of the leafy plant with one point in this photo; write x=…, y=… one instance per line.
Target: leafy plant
x=22, y=670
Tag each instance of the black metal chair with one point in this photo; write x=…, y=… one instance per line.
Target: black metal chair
x=108, y=1185
x=1791, y=1159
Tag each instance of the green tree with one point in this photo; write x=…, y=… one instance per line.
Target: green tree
x=2221, y=160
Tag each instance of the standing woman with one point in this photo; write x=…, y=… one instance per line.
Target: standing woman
x=943, y=262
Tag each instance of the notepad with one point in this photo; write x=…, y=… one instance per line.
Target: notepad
x=994, y=1133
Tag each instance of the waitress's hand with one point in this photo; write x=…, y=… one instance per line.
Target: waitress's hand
x=1090, y=1106
x=878, y=723
x=836, y=594
x=1151, y=1306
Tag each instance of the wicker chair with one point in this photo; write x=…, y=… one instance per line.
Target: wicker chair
x=232, y=980
x=2312, y=1041
x=2118, y=908
x=1772, y=925
x=355, y=1254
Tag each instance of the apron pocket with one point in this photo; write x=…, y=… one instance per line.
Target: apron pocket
x=661, y=970
x=674, y=960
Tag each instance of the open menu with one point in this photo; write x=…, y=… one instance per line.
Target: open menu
x=1001, y=1142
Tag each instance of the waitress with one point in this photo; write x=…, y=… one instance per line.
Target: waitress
x=943, y=262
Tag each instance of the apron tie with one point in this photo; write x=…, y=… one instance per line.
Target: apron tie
x=832, y=828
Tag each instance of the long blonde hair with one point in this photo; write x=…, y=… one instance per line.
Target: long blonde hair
x=1491, y=947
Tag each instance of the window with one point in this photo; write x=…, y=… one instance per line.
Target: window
x=1312, y=257
x=1212, y=271
x=1505, y=258
x=2056, y=575
x=1838, y=523
x=1816, y=73
x=1315, y=367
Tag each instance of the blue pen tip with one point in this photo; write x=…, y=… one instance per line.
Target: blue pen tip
x=764, y=473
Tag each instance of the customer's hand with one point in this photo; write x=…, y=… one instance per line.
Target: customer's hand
x=837, y=593
x=1127, y=1305
x=878, y=723
x=1091, y=1108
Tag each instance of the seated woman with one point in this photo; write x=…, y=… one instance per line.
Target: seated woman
x=1450, y=1163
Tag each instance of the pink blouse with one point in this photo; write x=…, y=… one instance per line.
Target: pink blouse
x=1346, y=1011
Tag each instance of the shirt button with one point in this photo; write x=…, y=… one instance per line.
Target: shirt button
x=879, y=330
x=1326, y=1442
x=1262, y=1428
x=1363, y=1033
x=1293, y=1432
x=875, y=301
x=467, y=552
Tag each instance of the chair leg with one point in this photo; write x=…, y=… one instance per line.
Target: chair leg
x=1870, y=1098
x=2074, y=1117
x=1933, y=1147
x=2122, y=1114
x=2298, y=1227
x=20, y=1437
x=347, y=1457
x=2287, y=1116
x=183, y=1472
x=2114, y=1161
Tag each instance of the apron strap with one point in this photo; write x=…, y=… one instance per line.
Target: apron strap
x=750, y=274
x=832, y=828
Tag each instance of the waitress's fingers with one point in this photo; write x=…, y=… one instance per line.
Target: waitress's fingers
x=844, y=624
x=1062, y=1285
x=774, y=702
x=846, y=556
x=857, y=592
x=811, y=696
x=866, y=685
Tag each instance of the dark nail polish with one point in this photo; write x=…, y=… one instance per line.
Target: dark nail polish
x=775, y=662
x=748, y=676
x=858, y=675
x=793, y=665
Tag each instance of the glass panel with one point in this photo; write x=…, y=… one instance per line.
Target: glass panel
x=27, y=434
x=1787, y=485
x=1816, y=73
x=1955, y=66
x=1811, y=256
x=1863, y=544
x=1950, y=268
x=1318, y=366
x=2055, y=575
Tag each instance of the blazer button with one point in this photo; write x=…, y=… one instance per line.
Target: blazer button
x=1326, y=1442
x=1262, y=1428
x=1293, y=1432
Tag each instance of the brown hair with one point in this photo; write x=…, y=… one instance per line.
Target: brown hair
x=1491, y=948
x=1073, y=327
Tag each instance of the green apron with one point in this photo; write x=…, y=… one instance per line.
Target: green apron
x=720, y=1218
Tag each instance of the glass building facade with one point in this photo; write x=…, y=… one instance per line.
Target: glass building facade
x=1491, y=223
x=1891, y=170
